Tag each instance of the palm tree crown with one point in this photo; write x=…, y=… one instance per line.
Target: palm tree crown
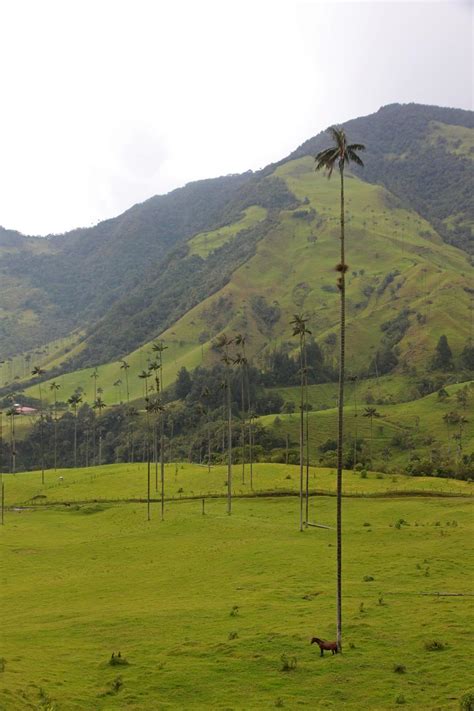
x=341, y=152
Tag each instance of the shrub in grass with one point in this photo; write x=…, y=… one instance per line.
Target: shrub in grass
x=233, y=635
x=434, y=645
x=400, y=699
x=287, y=663
x=235, y=611
x=116, y=660
x=368, y=578
x=114, y=687
x=466, y=702
x=381, y=600
x=379, y=475
x=363, y=474
x=366, y=524
x=399, y=669
x=288, y=476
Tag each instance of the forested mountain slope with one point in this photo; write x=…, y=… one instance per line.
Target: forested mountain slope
x=246, y=252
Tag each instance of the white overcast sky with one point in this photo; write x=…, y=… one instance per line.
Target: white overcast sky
x=105, y=103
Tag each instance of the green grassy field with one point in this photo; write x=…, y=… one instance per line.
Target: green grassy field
x=204, y=607
x=120, y=482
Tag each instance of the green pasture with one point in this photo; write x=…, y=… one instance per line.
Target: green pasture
x=206, y=242
x=422, y=420
x=205, y=609
x=115, y=482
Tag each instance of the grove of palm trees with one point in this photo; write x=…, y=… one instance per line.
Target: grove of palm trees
x=236, y=357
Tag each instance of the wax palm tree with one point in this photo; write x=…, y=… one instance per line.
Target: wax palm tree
x=300, y=330
x=38, y=372
x=371, y=412
x=125, y=367
x=205, y=410
x=251, y=418
x=240, y=361
x=95, y=375
x=118, y=385
x=99, y=405
x=340, y=154
x=155, y=367
x=353, y=380
x=159, y=348
x=74, y=401
x=223, y=343
x=55, y=387
x=11, y=412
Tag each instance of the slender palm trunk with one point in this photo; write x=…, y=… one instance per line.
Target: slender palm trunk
x=340, y=422
x=242, y=429
x=208, y=445
x=249, y=411
x=155, y=452
x=371, y=440
x=13, y=444
x=307, y=436
x=355, y=433
x=229, y=445
x=301, y=432
x=162, y=465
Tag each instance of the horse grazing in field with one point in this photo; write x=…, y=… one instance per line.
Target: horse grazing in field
x=328, y=646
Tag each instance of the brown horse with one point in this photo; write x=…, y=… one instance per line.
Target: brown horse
x=329, y=646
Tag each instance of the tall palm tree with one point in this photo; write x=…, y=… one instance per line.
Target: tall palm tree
x=223, y=343
x=55, y=387
x=155, y=406
x=38, y=371
x=251, y=417
x=11, y=412
x=371, y=412
x=300, y=330
x=240, y=360
x=95, y=375
x=155, y=367
x=125, y=367
x=99, y=405
x=353, y=379
x=340, y=154
x=118, y=385
x=159, y=348
x=205, y=410
x=74, y=401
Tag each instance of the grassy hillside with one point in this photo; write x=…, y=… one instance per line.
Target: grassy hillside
x=122, y=281
x=418, y=424
x=203, y=607
x=396, y=262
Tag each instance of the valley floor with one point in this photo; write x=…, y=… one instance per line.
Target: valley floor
x=203, y=608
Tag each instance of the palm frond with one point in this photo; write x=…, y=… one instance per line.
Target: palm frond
x=352, y=156
x=338, y=135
